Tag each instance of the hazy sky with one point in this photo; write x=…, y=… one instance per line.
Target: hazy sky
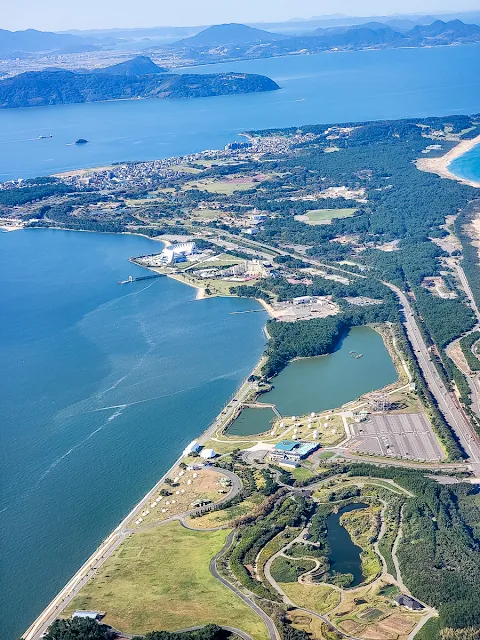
x=91, y=14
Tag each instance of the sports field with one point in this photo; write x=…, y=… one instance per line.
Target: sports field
x=159, y=579
x=319, y=216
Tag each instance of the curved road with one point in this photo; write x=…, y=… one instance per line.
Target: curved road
x=272, y=630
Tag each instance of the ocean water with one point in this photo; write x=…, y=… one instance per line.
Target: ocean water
x=102, y=385
x=326, y=87
x=468, y=165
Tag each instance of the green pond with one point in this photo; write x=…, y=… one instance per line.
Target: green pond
x=324, y=382
x=344, y=555
x=252, y=421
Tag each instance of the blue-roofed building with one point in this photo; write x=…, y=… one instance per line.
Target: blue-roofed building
x=292, y=450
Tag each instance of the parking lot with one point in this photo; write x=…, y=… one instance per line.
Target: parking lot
x=407, y=436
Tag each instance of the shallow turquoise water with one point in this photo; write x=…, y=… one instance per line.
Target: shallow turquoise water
x=102, y=386
x=327, y=87
x=468, y=165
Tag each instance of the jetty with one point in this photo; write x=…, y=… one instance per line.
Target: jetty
x=139, y=278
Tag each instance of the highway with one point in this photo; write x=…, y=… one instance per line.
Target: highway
x=446, y=401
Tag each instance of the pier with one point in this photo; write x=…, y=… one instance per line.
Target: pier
x=139, y=278
x=263, y=405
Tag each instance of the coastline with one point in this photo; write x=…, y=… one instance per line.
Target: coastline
x=440, y=166
x=121, y=532
x=108, y=546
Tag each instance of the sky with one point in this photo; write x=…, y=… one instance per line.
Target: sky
x=56, y=15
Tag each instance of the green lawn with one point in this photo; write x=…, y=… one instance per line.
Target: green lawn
x=317, y=597
x=159, y=579
x=300, y=473
x=325, y=215
x=225, y=187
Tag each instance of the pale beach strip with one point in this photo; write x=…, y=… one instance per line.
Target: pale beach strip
x=441, y=165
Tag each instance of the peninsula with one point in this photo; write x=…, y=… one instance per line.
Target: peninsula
x=137, y=79
x=336, y=230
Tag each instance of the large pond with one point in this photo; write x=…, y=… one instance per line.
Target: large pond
x=252, y=421
x=327, y=382
x=344, y=555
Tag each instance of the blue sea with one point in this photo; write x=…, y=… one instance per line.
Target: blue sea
x=322, y=88
x=102, y=384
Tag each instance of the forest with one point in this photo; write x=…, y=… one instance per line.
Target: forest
x=440, y=546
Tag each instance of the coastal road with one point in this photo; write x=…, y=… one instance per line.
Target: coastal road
x=446, y=401
x=272, y=630
x=111, y=544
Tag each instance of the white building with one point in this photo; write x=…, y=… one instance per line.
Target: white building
x=207, y=454
x=177, y=252
x=191, y=448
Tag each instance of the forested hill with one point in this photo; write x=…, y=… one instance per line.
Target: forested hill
x=41, y=88
x=138, y=66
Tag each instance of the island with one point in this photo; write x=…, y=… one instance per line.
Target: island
x=357, y=517
x=122, y=82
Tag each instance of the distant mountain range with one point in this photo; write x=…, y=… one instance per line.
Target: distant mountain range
x=233, y=41
x=225, y=42
x=134, y=79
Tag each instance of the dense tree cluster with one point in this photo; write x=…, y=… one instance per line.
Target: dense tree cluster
x=440, y=545
x=209, y=632
x=79, y=629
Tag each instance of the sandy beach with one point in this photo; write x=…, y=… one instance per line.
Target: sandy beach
x=440, y=165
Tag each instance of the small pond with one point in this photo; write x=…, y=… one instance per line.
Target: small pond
x=344, y=556
x=252, y=421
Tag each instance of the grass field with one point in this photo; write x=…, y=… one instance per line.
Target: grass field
x=324, y=216
x=159, y=579
x=222, y=187
x=300, y=473
x=319, y=597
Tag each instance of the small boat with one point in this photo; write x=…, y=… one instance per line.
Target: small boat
x=44, y=137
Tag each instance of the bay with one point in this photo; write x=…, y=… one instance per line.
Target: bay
x=468, y=165
x=326, y=87
x=102, y=385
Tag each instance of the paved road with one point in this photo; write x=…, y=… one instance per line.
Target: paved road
x=446, y=401
x=111, y=544
x=272, y=631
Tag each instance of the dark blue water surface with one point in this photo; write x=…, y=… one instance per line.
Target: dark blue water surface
x=327, y=87
x=102, y=385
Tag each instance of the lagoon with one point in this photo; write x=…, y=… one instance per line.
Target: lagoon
x=326, y=87
x=327, y=382
x=251, y=422
x=468, y=165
